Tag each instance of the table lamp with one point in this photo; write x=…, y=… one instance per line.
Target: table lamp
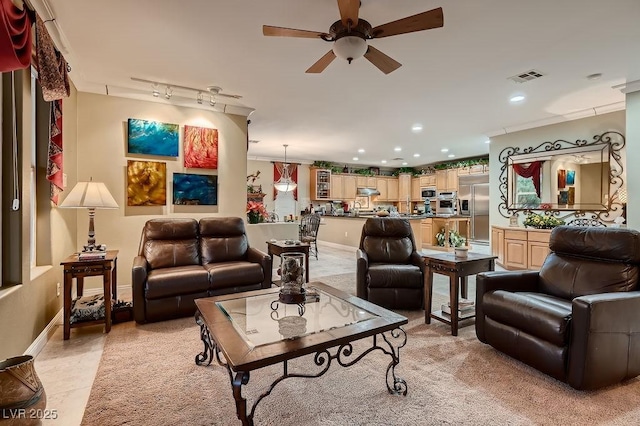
x=90, y=195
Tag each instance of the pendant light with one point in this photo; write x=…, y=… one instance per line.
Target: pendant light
x=285, y=183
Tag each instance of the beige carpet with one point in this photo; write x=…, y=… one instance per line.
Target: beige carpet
x=147, y=376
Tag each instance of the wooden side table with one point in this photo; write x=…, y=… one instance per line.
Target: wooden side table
x=457, y=269
x=79, y=269
x=276, y=248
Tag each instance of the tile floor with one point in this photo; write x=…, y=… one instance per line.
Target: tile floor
x=67, y=368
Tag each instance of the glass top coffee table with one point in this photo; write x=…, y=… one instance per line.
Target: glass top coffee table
x=251, y=330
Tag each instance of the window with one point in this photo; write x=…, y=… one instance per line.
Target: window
x=526, y=192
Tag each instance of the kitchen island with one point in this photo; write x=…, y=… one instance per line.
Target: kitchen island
x=346, y=230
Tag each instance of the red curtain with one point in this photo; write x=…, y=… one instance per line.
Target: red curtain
x=54, y=163
x=278, y=168
x=530, y=171
x=15, y=36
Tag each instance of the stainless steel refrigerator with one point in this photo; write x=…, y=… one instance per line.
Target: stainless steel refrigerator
x=473, y=199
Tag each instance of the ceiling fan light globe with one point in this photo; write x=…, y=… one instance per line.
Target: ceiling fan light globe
x=350, y=48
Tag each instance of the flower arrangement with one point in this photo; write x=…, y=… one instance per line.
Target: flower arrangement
x=455, y=239
x=256, y=212
x=535, y=220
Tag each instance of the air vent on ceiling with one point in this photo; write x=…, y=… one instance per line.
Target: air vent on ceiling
x=526, y=76
x=397, y=159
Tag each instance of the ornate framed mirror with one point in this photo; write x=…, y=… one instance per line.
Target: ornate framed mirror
x=564, y=178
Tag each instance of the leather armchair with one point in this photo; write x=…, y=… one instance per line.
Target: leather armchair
x=180, y=260
x=389, y=270
x=578, y=318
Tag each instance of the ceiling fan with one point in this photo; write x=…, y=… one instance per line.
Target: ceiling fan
x=350, y=34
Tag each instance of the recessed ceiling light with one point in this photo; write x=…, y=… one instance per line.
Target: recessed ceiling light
x=444, y=150
x=384, y=161
x=487, y=141
x=355, y=158
x=450, y=155
x=416, y=128
x=516, y=99
x=361, y=150
x=405, y=163
x=594, y=76
x=416, y=155
x=397, y=149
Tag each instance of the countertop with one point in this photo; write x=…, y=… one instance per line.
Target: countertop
x=410, y=217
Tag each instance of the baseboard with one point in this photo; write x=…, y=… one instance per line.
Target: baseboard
x=98, y=290
x=42, y=339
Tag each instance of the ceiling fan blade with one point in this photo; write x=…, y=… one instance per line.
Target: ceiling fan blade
x=349, y=11
x=384, y=63
x=322, y=63
x=422, y=21
x=268, y=30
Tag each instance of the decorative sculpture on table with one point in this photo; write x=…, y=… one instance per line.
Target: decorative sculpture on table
x=293, y=278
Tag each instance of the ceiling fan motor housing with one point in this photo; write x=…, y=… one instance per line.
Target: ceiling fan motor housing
x=350, y=42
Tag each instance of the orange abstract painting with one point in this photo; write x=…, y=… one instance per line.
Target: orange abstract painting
x=146, y=183
x=200, y=147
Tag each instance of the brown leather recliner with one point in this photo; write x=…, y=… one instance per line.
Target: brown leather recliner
x=180, y=260
x=578, y=318
x=390, y=272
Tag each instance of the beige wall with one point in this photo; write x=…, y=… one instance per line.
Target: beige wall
x=633, y=173
x=102, y=155
x=584, y=128
x=25, y=310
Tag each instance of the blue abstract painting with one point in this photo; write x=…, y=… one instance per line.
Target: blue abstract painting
x=153, y=138
x=192, y=189
x=571, y=177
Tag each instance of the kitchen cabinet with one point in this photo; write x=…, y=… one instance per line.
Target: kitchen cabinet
x=497, y=244
x=392, y=189
x=427, y=181
x=416, y=193
x=404, y=187
x=336, y=187
x=447, y=180
x=381, y=186
x=426, y=227
x=520, y=248
x=320, y=184
x=366, y=182
x=349, y=187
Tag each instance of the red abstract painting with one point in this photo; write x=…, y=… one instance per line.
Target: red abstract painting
x=200, y=147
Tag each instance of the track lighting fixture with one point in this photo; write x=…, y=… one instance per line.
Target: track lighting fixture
x=213, y=91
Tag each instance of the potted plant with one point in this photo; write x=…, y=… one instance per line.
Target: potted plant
x=256, y=212
x=456, y=241
x=535, y=220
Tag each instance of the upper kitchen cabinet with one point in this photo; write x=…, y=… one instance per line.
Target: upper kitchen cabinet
x=404, y=187
x=427, y=181
x=392, y=189
x=320, y=184
x=336, y=187
x=366, y=182
x=382, y=187
x=416, y=193
x=447, y=180
x=349, y=187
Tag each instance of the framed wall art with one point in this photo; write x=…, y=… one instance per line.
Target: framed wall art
x=152, y=138
x=200, y=147
x=146, y=183
x=193, y=189
x=571, y=177
x=562, y=178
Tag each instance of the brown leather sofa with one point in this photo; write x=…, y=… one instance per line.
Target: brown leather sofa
x=389, y=270
x=180, y=260
x=578, y=318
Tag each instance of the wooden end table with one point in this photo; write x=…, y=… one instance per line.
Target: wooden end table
x=457, y=269
x=79, y=269
x=276, y=248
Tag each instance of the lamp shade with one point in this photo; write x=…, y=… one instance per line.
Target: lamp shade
x=90, y=195
x=285, y=185
x=349, y=47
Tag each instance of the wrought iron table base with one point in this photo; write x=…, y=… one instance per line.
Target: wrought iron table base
x=395, y=339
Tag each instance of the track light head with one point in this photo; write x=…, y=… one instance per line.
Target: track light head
x=156, y=92
x=168, y=92
x=199, y=98
x=212, y=101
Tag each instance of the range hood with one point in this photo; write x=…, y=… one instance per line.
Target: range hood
x=365, y=192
